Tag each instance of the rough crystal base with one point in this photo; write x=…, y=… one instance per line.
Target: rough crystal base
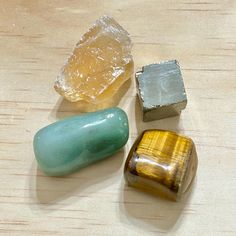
x=99, y=65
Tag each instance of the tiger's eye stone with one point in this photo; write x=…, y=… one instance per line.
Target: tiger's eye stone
x=99, y=65
x=70, y=144
x=162, y=162
x=161, y=90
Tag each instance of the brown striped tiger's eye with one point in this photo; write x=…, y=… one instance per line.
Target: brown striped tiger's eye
x=162, y=162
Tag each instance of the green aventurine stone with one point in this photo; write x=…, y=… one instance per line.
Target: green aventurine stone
x=68, y=145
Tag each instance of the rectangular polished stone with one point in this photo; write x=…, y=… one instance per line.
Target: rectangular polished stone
x=162, y=162
x=161, y=90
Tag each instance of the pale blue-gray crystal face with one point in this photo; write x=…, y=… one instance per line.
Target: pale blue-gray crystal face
x=70, y=144
x=161, y=90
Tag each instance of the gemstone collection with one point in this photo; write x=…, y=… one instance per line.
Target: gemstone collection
x=162, y=162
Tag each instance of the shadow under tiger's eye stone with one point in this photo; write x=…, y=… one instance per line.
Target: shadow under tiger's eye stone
x=162, y=162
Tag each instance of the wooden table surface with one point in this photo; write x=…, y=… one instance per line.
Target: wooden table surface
x=35, y=39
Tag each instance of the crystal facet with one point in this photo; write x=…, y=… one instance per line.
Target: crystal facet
x=162, y=162
x=99, y=65
x=161, y=90
x=78, y=141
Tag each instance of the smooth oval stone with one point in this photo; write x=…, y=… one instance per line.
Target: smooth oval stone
x=68, y=145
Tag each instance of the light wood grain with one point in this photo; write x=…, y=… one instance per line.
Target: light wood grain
x=35, y=39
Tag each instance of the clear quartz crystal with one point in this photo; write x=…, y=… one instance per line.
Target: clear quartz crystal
x=100, y=63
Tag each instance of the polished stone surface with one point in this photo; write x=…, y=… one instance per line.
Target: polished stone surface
x=162, y=162
x=99, y=65
x=68, y=145
x=161, y=90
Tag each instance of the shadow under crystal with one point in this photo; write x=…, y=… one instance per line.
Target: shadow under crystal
x=64, y=108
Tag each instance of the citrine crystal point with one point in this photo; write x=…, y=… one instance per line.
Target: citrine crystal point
x=99, y=65
x=161, y=90
x=162, y=162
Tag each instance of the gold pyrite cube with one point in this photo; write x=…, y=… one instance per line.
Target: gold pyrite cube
x=161, y=91
x=162, y=162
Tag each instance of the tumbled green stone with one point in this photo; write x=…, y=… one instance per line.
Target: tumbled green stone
x=70, y=144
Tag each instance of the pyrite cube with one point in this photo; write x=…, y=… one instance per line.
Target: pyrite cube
x=162, y=162
x=161, y=90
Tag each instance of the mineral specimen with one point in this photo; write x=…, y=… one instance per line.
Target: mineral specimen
x=162, y=162
x=99, y=65
x=75, y=142
x=161, y=90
